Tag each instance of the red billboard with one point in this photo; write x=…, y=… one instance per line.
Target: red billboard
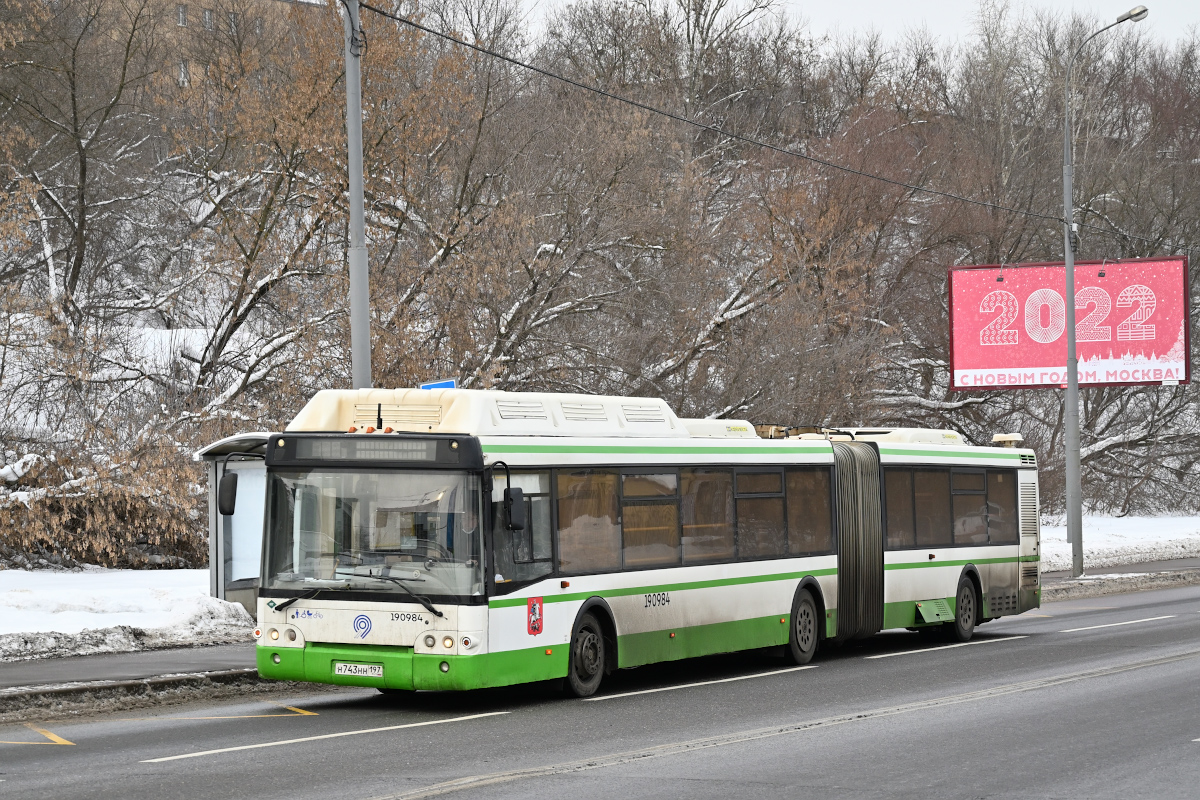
x=1008, y=324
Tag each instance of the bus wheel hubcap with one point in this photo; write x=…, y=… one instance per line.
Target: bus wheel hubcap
x=804, y=628
x=966, y=603
x=589, y=653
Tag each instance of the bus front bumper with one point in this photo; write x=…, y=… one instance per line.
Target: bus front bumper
x=404, y=669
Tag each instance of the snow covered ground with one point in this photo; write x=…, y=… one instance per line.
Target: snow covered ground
x=52, y=613
x=1113, y=541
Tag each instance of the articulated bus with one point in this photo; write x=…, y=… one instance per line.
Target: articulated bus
x=458, y=539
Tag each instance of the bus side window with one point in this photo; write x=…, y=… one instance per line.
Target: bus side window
x=707, y=515
x=1002, y=506
x=761, y=526
x=931, y=501
x=970, y=507
x=523, y=556
x=589, y=522
x=650, y=519
x=898, y=498
x=809, y=511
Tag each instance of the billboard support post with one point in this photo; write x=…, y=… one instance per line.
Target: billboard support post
x=1071, y=400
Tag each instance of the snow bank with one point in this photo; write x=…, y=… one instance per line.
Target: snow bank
x=1113, y=541
x=47, y=613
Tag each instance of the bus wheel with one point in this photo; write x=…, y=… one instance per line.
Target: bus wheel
x=802, y=642
x=585, y=668
x=964, y=611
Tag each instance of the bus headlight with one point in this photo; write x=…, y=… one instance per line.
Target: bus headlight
x=430, y=640
x=291, y=635
x=448, y=642
x=274, y=634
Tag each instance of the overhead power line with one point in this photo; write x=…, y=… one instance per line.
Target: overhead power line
x=731, y=135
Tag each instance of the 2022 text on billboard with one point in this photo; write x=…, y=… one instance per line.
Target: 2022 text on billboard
x=1008, y=324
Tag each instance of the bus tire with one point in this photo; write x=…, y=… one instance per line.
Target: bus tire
x=804, y=633
x=966, y=611
x=585, y=666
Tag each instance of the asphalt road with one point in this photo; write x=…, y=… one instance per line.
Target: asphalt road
x=1089, y=698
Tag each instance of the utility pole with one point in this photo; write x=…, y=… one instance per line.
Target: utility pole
x=360, y=307
x=1071, y=401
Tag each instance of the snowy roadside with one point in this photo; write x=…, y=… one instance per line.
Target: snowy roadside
x=45, y=614
x=1116, y=541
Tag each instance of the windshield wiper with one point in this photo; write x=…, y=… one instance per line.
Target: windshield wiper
x=306, y=596
x=311, y=593
x=422, y=600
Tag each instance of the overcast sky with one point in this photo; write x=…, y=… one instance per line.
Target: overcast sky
x=952, y=19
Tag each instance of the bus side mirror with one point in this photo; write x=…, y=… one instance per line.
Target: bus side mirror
x=514, y=509
x=227, y=494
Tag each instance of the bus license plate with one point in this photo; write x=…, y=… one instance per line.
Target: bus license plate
x=358, y=670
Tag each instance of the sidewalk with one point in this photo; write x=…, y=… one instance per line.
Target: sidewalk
x=125, y=666
x=1175, y=565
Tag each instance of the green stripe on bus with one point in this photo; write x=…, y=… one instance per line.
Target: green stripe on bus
x=891, y=451
x=923, y=564
x=904, y=614
x=671, y=644
x=666, y=587
x=567, y=449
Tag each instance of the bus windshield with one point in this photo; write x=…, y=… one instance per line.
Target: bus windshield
x=397, y=532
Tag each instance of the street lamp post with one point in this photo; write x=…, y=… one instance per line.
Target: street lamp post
x=360, y=310
x=1071, y=408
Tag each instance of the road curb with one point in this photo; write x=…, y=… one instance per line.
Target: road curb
x=1101, y=585
x=76, y=694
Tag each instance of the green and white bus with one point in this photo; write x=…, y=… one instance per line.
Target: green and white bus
x=457, y=539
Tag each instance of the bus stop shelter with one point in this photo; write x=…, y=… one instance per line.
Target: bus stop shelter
x=235, y=542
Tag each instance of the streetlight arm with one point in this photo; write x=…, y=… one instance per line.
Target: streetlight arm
x=1136, y=15
x=1078, y=50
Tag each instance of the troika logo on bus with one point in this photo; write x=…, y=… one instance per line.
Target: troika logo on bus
x=534, y=613
x=362, y=625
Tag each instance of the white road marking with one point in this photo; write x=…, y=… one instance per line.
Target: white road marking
x=1115, y=624
x=699, y=683
x=947, y=646
x=324, y=736
x=720, y=740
